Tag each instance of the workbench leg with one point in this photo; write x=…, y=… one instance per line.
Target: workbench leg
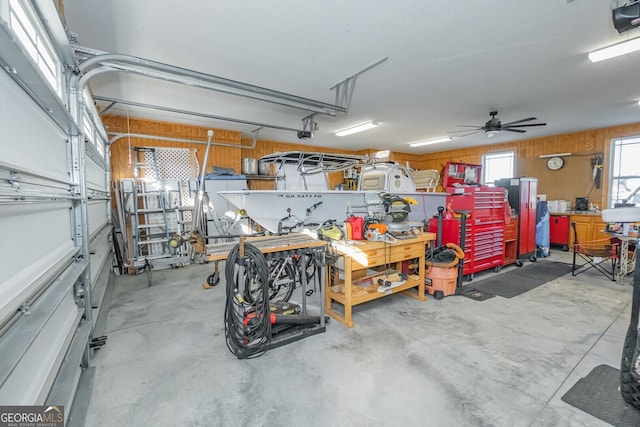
x=321, y=270
x=421, y=262
x=302, y=271
x=327, y=286
x=347, y=291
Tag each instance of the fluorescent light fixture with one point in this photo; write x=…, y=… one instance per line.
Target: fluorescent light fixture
x=546, y=156
x=615, y=50
x=430, y=141
x=355, y=129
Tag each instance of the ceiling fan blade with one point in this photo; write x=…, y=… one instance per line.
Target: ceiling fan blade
x=522, y=126
x=464, y=130
x=470, y=126
x=518, y=121
x=513, y=130
x=470, y=133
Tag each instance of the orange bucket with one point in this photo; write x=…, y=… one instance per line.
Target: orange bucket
x=441, y=281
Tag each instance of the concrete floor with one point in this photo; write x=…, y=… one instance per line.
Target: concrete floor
x=453, y=362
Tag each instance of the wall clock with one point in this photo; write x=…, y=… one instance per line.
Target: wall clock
x=555, y=163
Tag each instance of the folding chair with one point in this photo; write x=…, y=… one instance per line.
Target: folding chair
x=600, y=254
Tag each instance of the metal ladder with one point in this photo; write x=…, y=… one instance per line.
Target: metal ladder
x=183, y=223
x=149, y=222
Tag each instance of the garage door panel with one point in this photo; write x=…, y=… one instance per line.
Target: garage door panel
x=99, y=250
x=41, y=243
x=31, y=140
x=97, y=215
x=95, y=176
x=46, y=221
x=99, y=290
x=30, y=381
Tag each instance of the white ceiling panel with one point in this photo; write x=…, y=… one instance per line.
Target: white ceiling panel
x=450, y=62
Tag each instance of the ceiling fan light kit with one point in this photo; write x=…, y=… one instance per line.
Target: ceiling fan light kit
x=495, y=126
x=355, y=129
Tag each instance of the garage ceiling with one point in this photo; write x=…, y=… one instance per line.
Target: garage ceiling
x=450, y=62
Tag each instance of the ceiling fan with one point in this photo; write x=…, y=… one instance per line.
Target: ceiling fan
x=494, y=126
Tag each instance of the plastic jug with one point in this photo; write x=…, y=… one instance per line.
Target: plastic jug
x=357, y=227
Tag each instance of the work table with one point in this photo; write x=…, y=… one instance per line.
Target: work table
x=355, y=261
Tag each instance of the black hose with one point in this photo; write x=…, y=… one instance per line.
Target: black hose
x=247, y=317
x=440, y=255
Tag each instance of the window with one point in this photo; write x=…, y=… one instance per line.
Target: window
x=87, y=129
x=31, y=36
x=92, y=128
x=624, y=174
x=496, y=166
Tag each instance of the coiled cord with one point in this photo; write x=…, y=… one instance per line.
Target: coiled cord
x=247, y=317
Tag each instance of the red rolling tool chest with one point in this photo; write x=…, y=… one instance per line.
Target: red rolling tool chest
x=484, y=244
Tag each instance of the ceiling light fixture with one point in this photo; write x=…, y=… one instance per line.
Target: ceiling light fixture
x=623, y=48
x=431, y=141
x=355, y=129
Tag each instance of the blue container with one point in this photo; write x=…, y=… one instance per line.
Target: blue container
x=543, y=237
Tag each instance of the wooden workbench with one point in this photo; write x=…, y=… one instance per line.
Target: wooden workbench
x=356, y=257
x=266, y=244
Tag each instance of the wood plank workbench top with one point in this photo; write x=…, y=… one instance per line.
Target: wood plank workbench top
x=266, y=244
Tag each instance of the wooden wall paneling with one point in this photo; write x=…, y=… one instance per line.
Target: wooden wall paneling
x=573, y=180
x=122, y=162
x=411, y=159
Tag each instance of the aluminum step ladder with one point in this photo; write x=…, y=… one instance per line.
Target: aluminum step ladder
x=150, y=228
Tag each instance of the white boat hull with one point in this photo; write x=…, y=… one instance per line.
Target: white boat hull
x=273, y=209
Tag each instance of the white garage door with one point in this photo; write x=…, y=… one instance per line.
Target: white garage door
x=55, y=237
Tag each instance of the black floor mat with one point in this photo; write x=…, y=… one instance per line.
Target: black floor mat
x=548, y=270
x=520, y=280
x=597, y=394
x=475, y=294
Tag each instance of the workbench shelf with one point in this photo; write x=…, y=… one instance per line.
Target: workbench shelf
x=357, y=259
